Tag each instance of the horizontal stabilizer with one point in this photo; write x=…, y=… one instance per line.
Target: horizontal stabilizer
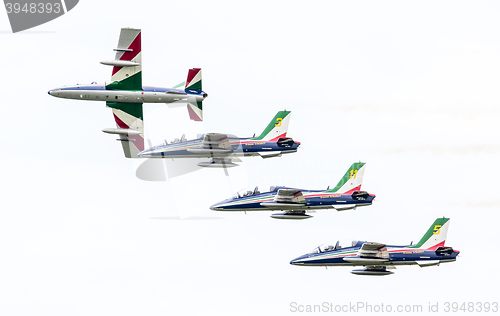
x=427, y=263
x=120, y=63
x=121, y=131
x=344, y=207
x=360, y=195
x=285, y=141
x=269, y=154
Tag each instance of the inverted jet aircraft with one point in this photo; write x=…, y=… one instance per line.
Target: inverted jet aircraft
x=125, y=93
x=377, y=258
x=345, y=195
x=224, y=149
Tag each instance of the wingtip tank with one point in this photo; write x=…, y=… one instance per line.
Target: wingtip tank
x=290, y=216
x=371, y=272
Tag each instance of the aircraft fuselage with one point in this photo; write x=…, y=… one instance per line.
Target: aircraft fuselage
x=398, y=255
x=314, y=199
x=240, y=147
x=96, y=92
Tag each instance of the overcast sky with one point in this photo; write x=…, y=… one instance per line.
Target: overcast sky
x=410, y=88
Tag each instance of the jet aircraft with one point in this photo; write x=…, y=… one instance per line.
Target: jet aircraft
x=124, y=94
x=224, y=149
x=296, y=202
x=377, y=258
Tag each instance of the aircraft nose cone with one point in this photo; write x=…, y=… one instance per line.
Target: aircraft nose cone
x=297, y=261
x=53, y=92
x=215, y=208
x=144, y=153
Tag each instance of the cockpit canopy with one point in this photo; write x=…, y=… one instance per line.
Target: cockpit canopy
x=341, y=244
x=183, y=138
x=253, y=191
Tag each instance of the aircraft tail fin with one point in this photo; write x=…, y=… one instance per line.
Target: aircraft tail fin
x=193, y=82
x=277, y=128
x=435, y=236
x=127, y=65
x=352, y=179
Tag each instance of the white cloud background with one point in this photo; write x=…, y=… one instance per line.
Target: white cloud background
x=409, y=87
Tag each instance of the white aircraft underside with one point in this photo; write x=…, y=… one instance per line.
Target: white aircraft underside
x=124, y=96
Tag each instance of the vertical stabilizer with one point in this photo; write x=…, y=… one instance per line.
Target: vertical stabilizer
x=352, y=179
x=435, y=236
x=277, y=128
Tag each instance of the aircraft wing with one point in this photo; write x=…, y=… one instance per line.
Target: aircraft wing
x=127, y=65
x=218, y=147
x=287, y=199
x=214, y=145
x=373, y=250
x=216, y=140
x=127, y=75
x=290, y=196
x=370, y=253
x=130, y=127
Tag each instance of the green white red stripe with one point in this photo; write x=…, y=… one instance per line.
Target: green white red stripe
x=435, y=236
x=129, y=49
x=277, y=128
x=352, y=179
